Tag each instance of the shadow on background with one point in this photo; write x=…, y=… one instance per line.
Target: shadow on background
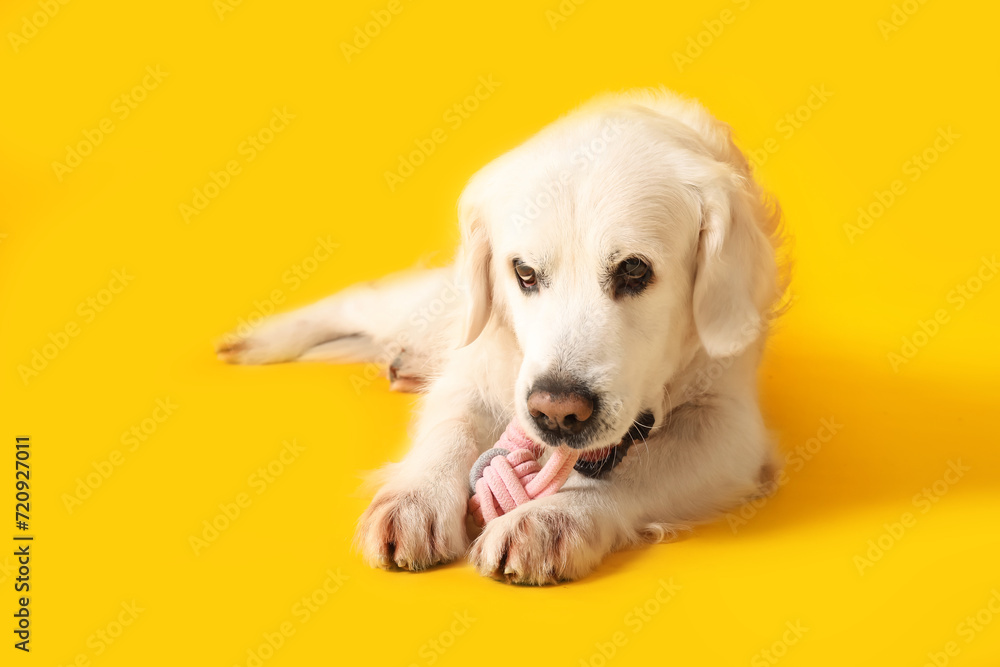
x=887, y=436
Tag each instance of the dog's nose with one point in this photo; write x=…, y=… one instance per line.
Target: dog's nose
x=560, y=413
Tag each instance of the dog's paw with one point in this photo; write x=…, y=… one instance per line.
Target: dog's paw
x=407, y=372
x=275, y=340
x=537, y=544
x=412, y=530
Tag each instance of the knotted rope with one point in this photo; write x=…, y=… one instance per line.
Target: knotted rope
x=509, y=474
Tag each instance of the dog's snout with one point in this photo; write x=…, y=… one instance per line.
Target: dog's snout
x=560, y=412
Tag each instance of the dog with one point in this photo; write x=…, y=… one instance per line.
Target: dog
x=614, y=287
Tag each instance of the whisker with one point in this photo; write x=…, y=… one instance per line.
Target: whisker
x=644, y=441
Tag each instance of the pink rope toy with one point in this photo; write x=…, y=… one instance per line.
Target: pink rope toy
x=509, y=475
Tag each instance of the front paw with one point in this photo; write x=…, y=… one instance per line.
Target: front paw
x=538, y=543
x=411, y=529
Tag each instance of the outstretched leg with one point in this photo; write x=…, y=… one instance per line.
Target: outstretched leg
x=403, y=321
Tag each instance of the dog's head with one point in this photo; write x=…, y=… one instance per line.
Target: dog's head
x=616, y=244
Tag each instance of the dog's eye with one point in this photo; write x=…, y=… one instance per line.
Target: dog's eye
x=634, y=268
x=632, y=276
x=526, y=277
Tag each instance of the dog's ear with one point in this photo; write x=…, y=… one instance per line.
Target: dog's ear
x=474, y=270
x=735, y=279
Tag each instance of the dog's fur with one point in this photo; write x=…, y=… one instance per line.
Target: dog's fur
x=646, y=174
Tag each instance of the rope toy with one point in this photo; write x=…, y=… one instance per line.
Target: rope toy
x=509, y=474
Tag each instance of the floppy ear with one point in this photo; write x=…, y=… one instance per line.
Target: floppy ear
x=473, y=271
x=735, y=279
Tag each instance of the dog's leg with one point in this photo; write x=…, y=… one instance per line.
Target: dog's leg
x=557, y=538
x=407, y=315
x=417, y=519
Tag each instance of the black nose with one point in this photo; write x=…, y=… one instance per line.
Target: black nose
x=560, y=412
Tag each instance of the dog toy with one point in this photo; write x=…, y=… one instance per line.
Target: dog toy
x=509, y=474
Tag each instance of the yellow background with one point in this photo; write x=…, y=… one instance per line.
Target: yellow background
x=794, y=561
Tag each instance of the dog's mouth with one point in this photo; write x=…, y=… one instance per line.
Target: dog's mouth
x=597, y=463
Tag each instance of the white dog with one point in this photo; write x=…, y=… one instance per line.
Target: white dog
x=613, y=291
